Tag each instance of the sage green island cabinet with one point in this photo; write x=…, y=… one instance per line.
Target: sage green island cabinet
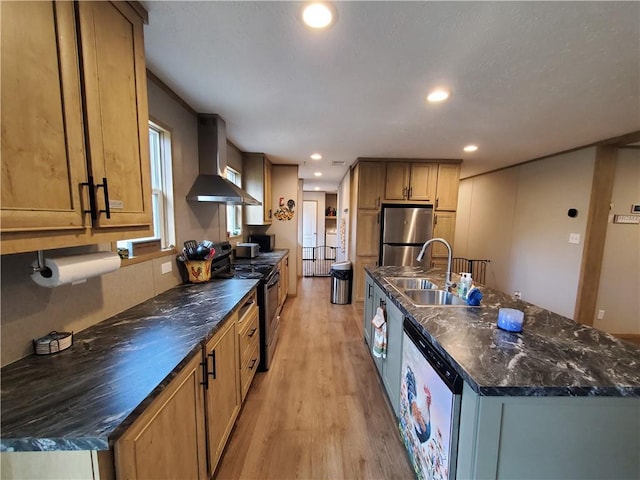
x=389, y=366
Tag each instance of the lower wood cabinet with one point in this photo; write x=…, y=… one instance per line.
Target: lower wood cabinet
x=222, y=392
x=167, y=440
x=249, y=345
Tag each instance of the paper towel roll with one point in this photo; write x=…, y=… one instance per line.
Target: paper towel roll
x=75, y=269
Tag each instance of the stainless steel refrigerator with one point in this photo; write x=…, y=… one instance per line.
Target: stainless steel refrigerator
x=404, y=229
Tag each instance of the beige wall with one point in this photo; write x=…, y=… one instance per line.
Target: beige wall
x=343, y=215
x=30, y=311
x=518, y=219
x=284, y=183
x=620, y=279
x=194, y=220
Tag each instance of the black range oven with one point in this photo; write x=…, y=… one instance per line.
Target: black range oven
x=269, y=276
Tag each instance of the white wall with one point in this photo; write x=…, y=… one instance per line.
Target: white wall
x=517, y=218
x=619, y=289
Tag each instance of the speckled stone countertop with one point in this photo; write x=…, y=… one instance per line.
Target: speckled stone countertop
x=264, y=258
x=85, y=397
x=552, y=356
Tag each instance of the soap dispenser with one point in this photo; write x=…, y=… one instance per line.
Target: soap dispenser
x=464, y=285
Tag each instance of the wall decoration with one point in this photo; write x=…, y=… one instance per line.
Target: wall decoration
x=285, y=212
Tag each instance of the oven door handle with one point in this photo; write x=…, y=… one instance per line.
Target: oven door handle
x=273, y=280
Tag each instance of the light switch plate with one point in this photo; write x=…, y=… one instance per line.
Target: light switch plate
x=574, y=238
x=166, y=267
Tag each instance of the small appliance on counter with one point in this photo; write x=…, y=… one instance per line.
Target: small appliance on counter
x=267, y=242
x=247, y=250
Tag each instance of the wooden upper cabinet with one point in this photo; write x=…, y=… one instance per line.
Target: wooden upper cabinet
x=397, y=184
x=411, y=181
x=256, y=178
x=371, y=184
x=447, y=191
x=63, y=128
x=116, y=111
x=423, y=180
x=43, y=160
x=444, y=226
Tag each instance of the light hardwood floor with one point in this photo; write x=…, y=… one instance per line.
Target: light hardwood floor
x=320, y=411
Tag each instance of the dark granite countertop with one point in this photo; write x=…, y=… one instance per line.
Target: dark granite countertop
x=264, y=258
x=85, y=397
x=552, y=356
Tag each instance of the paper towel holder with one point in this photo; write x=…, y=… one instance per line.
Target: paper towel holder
x=40, y=265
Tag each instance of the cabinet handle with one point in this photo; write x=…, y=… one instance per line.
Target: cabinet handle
x=435, y=220
x=410, y=192
x=253, y=363
x=369, y=292
x=213, y=364
x=205, y=379
x=383, y=303
x=92, y=198
x=404, y=192
x=105, y=188
x=252, y=333
x=377, y=202
x=437, y=202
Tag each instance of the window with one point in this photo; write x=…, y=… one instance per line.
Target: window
x=161, y=188
x=234, y=212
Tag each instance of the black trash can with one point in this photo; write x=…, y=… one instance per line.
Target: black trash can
x=341, y=280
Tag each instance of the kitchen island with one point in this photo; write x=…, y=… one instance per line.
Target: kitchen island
x=84, y=398
x=557, y=400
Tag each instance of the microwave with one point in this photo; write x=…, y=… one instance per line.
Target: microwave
x=267, y=242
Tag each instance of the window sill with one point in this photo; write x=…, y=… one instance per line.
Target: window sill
x=148, y=256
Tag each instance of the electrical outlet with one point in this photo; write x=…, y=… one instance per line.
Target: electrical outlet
x=600, y=314
x=574, y=238
x=517, y=294
x=166, y=267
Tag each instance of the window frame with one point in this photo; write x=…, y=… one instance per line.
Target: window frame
x=236, y=179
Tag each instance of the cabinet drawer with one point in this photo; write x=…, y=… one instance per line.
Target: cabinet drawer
x=249, y=368
x=249, y=335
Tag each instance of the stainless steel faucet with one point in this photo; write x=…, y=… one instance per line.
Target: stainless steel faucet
x=449, y=255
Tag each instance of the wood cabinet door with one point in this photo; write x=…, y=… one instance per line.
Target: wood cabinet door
x=397, y=181
x=268, y=200
x=368, y=233
x=424, y=178
x=447, y=190
x=371, y=184
x=168, y=440
x=43, y=159
x=223, y=389
x=116, y=111
x=444, y=226
x=359, y=275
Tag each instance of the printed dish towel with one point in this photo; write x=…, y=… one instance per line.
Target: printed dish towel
x=379, y=347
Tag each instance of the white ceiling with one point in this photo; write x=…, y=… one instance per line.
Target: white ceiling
x=528, y=79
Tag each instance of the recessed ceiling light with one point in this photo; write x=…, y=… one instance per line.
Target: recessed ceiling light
x=317, y=174
x=316, y=156
x=318, y=15
x=316, y=188
x=438, y=95
x=470, y=148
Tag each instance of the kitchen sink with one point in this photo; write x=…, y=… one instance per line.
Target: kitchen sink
x=425, y=298
x=411, y=283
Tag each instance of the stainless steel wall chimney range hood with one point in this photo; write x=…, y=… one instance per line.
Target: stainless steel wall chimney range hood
x=210, y=185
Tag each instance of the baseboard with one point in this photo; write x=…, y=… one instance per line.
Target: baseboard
x=629, y=337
